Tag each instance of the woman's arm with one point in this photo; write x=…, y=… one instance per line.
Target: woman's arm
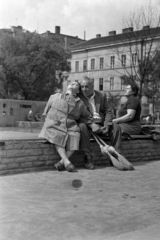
x=126, y=118
x=47, y=107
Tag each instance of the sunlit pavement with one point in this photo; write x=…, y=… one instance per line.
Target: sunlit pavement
x=11, y=133
x=86, y=205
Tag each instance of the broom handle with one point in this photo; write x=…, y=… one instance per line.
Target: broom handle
x=96, y=138
x=101, y=140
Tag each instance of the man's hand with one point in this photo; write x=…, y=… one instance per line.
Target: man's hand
x=104, y=130
x=95, y=128
x=115, y=120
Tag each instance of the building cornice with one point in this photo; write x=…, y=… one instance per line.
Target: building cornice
x=137, y=41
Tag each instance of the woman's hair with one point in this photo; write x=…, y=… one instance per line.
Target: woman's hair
x=79, y=86
x=134, y=87
x=80, y=92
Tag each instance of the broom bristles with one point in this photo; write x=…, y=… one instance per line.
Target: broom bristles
x=112, y=151
x=118, y=160
x=117, y=164
x=125, y=162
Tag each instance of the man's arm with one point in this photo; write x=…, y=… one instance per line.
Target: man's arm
x=87, y=118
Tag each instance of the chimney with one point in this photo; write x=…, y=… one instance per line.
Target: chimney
x=98, y=35
x=127, y=30
x=48, y=33
x=19, y=28
x=57, y=29
x=16, y=29
x=112, y=33
x=146, y=27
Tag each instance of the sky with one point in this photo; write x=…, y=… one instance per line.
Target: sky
x=75, y=17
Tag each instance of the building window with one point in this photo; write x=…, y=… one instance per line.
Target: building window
x=69, y=65
x=134, y=59
x=111, y=83
x=92, y=64
x=11, y=112
x=4, y=105
x=85, y=65
x=122, y=83
x=112, y=61
x=25, y=106
x=101, y=62
x=101, y=84
x=77, y=66
x=123, y=60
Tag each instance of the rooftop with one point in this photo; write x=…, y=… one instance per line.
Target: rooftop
x=116, y=38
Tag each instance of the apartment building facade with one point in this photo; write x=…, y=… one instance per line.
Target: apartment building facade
x=107, y=59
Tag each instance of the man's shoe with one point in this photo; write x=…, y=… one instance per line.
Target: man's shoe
x=88, y=163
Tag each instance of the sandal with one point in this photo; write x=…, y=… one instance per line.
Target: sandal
x=70, y=168
x=59, y=166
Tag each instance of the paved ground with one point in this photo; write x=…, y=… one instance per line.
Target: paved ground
x=104, y=204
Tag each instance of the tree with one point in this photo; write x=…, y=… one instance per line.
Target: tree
x=113, y=102
x=152, y=87
x=30, y=63
x=139, y=46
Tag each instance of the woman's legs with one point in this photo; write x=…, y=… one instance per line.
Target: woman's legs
x=115, y=137
x=68, y=154
x=64, y=155
x=131, y=128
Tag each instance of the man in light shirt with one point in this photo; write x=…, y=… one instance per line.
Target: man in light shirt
x=97, y=104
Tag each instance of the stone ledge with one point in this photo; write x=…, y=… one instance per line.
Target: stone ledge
x=27, y=124
x=37, y=155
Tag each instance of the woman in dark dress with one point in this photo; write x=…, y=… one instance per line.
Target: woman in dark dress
x=129, y=114
x=128, y=120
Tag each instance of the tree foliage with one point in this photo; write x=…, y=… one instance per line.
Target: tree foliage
x=30, y=63
x=152, y=86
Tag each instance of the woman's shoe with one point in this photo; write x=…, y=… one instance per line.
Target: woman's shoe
x=70, y=168
x=59, y=166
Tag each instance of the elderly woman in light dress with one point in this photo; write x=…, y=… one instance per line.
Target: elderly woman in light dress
x=62, y=112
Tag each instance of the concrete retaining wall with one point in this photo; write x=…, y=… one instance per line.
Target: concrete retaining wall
x=27, y=124
x=17, y=110
x=20, y=156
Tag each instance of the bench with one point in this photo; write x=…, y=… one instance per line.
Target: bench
x=31, y=155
